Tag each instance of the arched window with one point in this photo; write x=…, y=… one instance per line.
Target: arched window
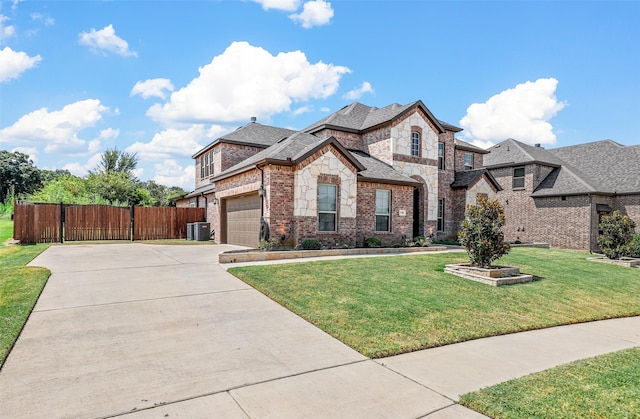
x=415, y=144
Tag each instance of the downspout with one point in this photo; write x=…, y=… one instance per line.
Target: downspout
x=590, y=223
x=205, y=205
x=264, y=227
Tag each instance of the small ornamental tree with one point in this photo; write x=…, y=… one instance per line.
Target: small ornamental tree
x=616, y=233
x=480, y=232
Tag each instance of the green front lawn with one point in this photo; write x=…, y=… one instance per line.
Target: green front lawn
x=20, y=286
x=606, y=386
x=389, y=305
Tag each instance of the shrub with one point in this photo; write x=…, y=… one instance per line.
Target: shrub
x=616, y=233
x=635, y=246
x=311, y=244
x=421, y=241
x=480, y=232
x=372, y=242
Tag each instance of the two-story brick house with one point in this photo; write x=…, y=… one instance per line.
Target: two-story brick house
x=392, y=173
x=558, y=196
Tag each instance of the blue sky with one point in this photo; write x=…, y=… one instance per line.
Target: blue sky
x=165, y=78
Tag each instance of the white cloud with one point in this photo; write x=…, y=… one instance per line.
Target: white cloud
x=357, y=93
x=325, y=109
x=105, y=40
x=286, y=5
x=32, y=152
x=314, y=13
x=82, y=169
x=302, y=109
x=14, y=63
x=172, y=142
x=48, y=21
x=522, y=113
x=57, y=129
x=170, y=173
x=6, y=31
x=247, y=81
x=152, y=87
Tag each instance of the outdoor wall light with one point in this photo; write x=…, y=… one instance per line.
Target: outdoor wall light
x=215, y=201
x=261, y=191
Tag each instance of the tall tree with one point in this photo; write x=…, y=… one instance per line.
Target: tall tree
x=114, y=160
x=18, y=175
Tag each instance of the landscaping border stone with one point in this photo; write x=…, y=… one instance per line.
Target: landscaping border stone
x=495, y=276
x=626, y=262
x=257, y=256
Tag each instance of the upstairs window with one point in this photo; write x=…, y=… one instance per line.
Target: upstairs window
x=468, y=161
x=327, y=208
x=518, y=178
x=206, y=164
x=440, y=156
x=415, y=144
x=383, y=209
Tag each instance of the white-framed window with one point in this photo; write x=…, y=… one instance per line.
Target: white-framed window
x=206, y=164
x=518, y=177
x=415, y=144
x=327, y=207
x=440, y=226
x=440, y=156
x=468, y=161
x=383, y=210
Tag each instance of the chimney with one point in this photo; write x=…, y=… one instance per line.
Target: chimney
x=253, y=119
x=537, y=145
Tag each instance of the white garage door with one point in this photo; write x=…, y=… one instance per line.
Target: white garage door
x=243, y=220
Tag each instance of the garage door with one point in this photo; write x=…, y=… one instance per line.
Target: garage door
x=243, y=221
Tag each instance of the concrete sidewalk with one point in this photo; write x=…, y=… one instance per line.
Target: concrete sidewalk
x=145, y=331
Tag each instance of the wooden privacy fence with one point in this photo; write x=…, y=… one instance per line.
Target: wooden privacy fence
x=55, y=223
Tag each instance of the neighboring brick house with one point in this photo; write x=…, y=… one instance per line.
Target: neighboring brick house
x=392, y=173
x=558, y=195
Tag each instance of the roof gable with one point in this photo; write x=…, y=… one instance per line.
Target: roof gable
x=357, y=117
x=467, y=178
x=253, y=134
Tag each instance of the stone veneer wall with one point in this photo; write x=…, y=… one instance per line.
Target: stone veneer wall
x=401, y=225
x=306, y=185
x=378, y=143
x=426, y=168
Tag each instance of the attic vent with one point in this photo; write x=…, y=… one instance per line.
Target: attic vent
x=537, y=144
x=253, y=119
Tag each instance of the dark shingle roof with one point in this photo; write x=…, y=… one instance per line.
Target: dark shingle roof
x=252, y=134
x=599, y=167
x=466, y=178
x=293, y=149
x=615, y=167
x=463, y=145
x=358, y=117
x=377, y=170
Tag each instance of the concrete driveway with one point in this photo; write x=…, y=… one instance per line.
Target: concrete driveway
x=145, y=331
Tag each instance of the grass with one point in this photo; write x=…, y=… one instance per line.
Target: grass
x=606, y=386
x=20, y=286
x=389, y=305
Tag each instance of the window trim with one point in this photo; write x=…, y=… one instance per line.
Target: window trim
x=518, y=178
x=381, y=214
x=441, y=161
x=334, y=212
x=440, y=218
x=467, y=166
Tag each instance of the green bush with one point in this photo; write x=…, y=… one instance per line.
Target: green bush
x=311, y=244
x=480, y=232
x=372, y=242
x=635, y=246
x=421, y=241
x=616, y=233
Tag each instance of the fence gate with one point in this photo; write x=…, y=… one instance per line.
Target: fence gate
x=97, y=222
x=54, y=223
